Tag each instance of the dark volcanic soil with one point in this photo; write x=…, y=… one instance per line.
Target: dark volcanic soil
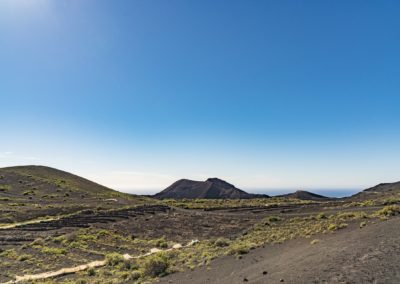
x=50, y=219
x=353, y=255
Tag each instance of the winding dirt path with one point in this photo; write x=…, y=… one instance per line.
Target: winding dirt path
x=93, y=264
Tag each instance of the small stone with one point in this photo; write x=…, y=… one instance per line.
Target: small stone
x=265, y=272
x=245, y=280
x=281, y=280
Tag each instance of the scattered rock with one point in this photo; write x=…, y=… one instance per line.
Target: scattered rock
x=265, y=272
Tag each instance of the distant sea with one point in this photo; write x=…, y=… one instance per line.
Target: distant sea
x=272, y=192
x=325, y=192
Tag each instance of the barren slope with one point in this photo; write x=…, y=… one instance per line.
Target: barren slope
x=212, y=188
x=353, y=255
x=381, y=191
x=304, y=195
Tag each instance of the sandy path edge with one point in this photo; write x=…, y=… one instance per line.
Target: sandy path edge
x=93, y=264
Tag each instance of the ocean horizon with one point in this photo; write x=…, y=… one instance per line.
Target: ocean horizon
x=325, y=192
x=338, y=193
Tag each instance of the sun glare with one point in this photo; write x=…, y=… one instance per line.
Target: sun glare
x=18, y=7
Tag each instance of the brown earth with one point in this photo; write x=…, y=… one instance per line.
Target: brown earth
x=353, y=255
x=50, y=219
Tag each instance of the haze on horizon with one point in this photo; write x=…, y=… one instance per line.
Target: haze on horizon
x=137, y=94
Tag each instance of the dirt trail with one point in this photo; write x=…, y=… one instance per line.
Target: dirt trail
x=30, y=222
x=93, y=264
x=60, y=272
x=352, y=255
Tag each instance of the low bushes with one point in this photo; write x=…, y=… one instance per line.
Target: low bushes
x=390, y=210
x=239, y=249
x=56, y=251
x=221, y=242
x=113, y=259
x=5, y=187
x=156, y=265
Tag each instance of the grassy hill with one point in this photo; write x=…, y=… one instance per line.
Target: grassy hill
x=383, y=191
x=28, y=192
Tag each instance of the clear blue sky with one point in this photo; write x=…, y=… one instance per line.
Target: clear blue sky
x=266, y=94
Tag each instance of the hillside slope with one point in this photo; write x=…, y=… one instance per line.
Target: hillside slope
x=32, y=191
x=304, y=195
x=380, y=191
x=212, y=188
x=368, y=255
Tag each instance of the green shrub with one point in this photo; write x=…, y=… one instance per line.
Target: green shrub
x=38, y=242
x=16, y=204
x=135, y=275
x=103, y=233
x=391, y=200
x=221, y=242
x=113, y=259
x=363, y=215
x=56, y=251
x=5, y=187
x=390, y=210
x=238, y=249
x=156, y=265
x=59, y=239
x=24, y=257
x=368, y=202
x=28, y=192
x=91, y=271
x=162, y=244
x=346, y=215
x=332, y=227
x=10, y=253
x=274, y=219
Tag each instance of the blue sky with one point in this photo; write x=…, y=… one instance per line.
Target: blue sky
x=265, y=94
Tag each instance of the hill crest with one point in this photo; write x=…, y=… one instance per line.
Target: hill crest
x=212, y=188
x=383, y=190
x=27, y=192
x=304, y=195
